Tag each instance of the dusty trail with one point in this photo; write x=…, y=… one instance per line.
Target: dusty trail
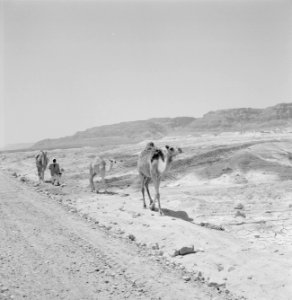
x=47, y=253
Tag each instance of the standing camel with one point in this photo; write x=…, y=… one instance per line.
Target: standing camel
x=152, y=165
x=41, y=160
x=100, y=167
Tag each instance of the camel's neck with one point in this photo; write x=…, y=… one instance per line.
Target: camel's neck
x=163, y=165
x=111, y=165
x=42, y=159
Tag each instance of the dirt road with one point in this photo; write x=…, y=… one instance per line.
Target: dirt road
x=48, y=253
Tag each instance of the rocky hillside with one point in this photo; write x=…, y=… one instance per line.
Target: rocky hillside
x=122, y=133
x=275, y=117
x=271, y=118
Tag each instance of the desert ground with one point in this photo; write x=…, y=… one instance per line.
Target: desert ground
x=228, y=195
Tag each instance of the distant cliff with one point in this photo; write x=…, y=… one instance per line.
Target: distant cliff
x=278, y=116
x=271, y=118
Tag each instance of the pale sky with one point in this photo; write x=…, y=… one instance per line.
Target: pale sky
x=72, y=65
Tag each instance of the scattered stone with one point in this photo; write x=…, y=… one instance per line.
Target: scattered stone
x=23, y=179
x=186, y=250
x=257, y=236
x=230, y=269
x=240, y=214
x=217, y=285
x=220, y=267
x=136, y=215
x=249, y=277
x=212, y=226
x=239, y=206
x=186, y=278
x=14, y=174
x=131, y=237
x=155, y=246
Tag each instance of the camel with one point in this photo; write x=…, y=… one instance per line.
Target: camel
x=100, y=167
x=41, y=164
x=153, y=163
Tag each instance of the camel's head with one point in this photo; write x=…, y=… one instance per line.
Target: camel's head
x=173, y=151
x=150, y=146
x=113, y=161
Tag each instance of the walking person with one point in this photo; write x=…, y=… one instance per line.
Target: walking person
x=55, y=172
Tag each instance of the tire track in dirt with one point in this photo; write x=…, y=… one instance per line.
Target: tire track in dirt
x=47, y=253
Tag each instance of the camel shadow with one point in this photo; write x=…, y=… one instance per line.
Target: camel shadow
x=177, y=214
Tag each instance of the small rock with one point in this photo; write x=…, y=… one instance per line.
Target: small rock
x=212, y=226
x=220, y=268
x=23, y=179
x=217, y=285
x=186, y=278
x=239, y=206
x=230, y=269
x=240, y=214
x=185, y=250
x=155, y=246
x=136, y=215
x=131, y=237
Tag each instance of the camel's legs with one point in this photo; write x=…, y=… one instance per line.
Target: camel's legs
x=104, y=183
x=147, y=189
x=157, y=196
x=91, y=176
x=39, y=173
x=143, y=179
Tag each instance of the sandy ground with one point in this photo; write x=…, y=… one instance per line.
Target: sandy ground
x=48, y=253
x=229, y=195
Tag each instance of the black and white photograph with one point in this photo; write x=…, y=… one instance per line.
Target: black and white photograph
x=146, y=149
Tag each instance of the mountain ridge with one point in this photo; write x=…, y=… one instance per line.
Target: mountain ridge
x=235, y=119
